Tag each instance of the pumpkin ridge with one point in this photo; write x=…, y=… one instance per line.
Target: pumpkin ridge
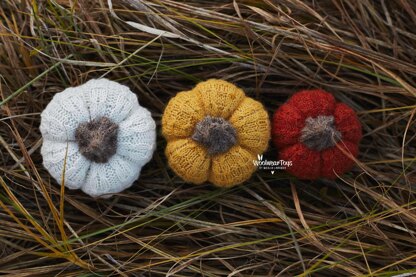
x=186, y=162
x=181, y=114
x=248, y=150
x=299, y=98
x=300, y=112
x=236, y=107
x=344, y=126
x=278, y=130
x=199, y=100
x=252, y=122
x=218, y=88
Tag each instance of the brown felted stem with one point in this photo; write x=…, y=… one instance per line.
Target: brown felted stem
x=320, y=133
x=97, y=139
x=216, y=134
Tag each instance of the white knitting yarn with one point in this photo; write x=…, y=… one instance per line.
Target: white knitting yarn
x=136, y=137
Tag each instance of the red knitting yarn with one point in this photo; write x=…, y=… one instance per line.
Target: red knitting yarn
x=323, y=145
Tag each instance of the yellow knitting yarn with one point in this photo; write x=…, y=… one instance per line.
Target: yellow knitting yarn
x=214, y=132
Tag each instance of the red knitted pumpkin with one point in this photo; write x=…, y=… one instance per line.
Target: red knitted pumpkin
x=317, y=134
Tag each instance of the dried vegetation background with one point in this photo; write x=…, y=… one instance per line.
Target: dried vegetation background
x=363, y=224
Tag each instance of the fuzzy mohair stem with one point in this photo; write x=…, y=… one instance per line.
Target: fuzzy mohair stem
x=97, y=139
x=216, y=134
x=320, y=133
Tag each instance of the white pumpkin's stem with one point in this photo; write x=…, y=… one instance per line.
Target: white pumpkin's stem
x=97, y=139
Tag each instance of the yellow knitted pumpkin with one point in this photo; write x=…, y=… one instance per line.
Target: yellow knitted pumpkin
x=214, y=132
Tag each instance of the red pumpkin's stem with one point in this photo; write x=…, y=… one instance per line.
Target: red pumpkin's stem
x=320, y=133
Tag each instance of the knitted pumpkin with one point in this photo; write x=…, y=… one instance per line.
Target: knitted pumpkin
x=214, y=132
x=100, y=133
x=317, y=134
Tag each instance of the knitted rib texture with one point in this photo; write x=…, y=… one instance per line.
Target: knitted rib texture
x=76, y=106
x=312, y=159
x=232, y=163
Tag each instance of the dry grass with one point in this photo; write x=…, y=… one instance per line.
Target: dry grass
x=363, y=224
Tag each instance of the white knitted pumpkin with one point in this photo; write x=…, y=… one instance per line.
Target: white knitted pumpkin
x=100, y=133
